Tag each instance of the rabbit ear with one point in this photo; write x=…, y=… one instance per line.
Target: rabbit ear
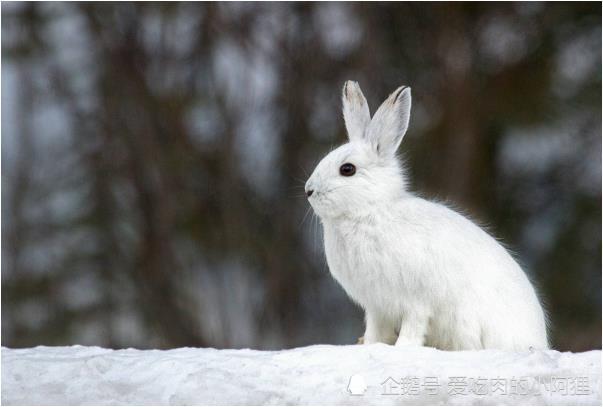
x=355, y=111
x=386, y=130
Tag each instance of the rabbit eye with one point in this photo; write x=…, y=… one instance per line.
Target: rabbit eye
x=347, y=170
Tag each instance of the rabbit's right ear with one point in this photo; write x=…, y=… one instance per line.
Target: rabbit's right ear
x=390, y=122
x=355, y=111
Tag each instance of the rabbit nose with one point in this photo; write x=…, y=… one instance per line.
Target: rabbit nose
x=309, y=193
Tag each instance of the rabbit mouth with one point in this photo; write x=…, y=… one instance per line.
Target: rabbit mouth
x=316, y=200
x=322, y=205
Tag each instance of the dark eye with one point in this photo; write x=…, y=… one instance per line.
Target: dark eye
x=347, y=170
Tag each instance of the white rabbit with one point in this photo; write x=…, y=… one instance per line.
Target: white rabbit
x=424, y=274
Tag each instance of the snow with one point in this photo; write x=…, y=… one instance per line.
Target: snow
x=321, y=374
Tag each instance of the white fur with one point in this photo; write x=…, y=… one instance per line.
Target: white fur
x=424, y=274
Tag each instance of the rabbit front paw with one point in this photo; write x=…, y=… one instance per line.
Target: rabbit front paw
x=378, y=331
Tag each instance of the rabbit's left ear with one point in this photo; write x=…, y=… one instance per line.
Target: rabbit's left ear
x=355, y=111
x=389, y=125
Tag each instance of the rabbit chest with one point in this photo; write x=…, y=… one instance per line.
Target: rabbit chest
x=376, y=269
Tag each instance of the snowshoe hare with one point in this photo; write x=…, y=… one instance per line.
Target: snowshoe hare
x=424, y=274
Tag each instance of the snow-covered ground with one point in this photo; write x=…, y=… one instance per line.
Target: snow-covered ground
x=375, y=374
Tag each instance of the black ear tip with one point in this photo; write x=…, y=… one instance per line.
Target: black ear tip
x=401, y=91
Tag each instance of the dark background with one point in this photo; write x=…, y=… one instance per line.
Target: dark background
x=154, y=156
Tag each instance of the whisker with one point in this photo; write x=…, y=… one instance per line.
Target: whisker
x=314, y=234
x=305, y=216
x=303, y=169
x=325, y=266
x=318, y=234
x=339, y=187
x=299, y=180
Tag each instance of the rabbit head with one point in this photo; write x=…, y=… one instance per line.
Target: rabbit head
x=364, y=172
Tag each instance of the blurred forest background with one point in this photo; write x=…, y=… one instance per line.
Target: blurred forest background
x=154, y=155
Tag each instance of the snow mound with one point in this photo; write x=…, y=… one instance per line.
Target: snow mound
x=322, y=374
